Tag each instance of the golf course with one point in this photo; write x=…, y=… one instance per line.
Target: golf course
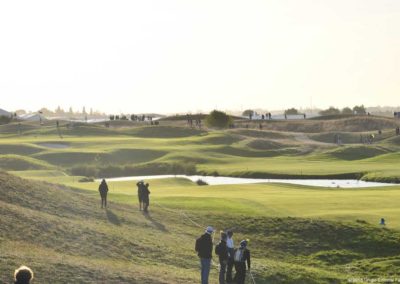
x=51, y=218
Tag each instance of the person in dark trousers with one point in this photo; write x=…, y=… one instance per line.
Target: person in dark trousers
x=23, y=275
x=103, y=189
x=222, y=251
x=140, y=186
x=204, y=248
x=231, y=250
x=242, y=255
x=145, y=196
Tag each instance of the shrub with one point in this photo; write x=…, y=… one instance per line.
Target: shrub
x=218, y=119
x=201, y=182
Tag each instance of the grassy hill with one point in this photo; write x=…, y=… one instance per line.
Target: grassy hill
x=297, y=235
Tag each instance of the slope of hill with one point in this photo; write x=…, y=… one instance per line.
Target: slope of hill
x=64, y=236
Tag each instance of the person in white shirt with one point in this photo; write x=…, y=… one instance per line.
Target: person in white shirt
x=231, y=252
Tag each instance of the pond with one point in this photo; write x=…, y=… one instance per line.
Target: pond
x=211, y=180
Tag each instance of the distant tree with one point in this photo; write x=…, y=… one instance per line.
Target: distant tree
x=70, y=111
x=117, y=117
x=112, y=117
x=133, y=117
x=330, y=111
x=248, y=113
x=83, y=110
x=291, y=111
x=359, y=109
x=123, y=117
x=218, y=119
x=347, y=111
x=59, y=111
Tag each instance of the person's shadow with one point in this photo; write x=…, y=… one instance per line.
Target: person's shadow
x=158, y=225
x=112, y=218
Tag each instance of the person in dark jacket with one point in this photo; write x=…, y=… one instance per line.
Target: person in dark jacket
x=103, y=189
x=204, y=248
x=145, y=197
x=140, y=186
x=242, y=255
x=222, y=251
x=23, y=275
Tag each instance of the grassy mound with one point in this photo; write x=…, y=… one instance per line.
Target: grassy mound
x=261, y=134
x=349, y=137
x=69, y=158
x=20, y=163
x=219, y=139
x=350, y=153
x=263, y=144
x=19, y=149
x=117, y=157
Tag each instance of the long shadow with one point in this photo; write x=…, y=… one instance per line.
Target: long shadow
x=158, y=225
x=112, y=218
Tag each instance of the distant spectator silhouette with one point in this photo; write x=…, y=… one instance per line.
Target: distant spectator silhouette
x=146, y=198
x=23, y=275
x=103, y=189
x=140, y=186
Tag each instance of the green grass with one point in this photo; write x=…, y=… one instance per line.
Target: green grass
x=298, y=234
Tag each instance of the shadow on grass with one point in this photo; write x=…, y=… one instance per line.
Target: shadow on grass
x=112, y=218
x=158, y=225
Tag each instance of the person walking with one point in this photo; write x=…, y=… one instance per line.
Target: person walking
x=103, y=189
x=140, y=186
x=231, y=250
x=145, y=197
x=204, y=248
x=242, y=255
x=222, y=251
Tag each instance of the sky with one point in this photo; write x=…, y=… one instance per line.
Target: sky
x=171, y=56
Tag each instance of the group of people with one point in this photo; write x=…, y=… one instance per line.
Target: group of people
x=143, y=194
x=228, y=257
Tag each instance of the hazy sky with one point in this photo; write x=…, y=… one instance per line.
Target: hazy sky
x=178, y=56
